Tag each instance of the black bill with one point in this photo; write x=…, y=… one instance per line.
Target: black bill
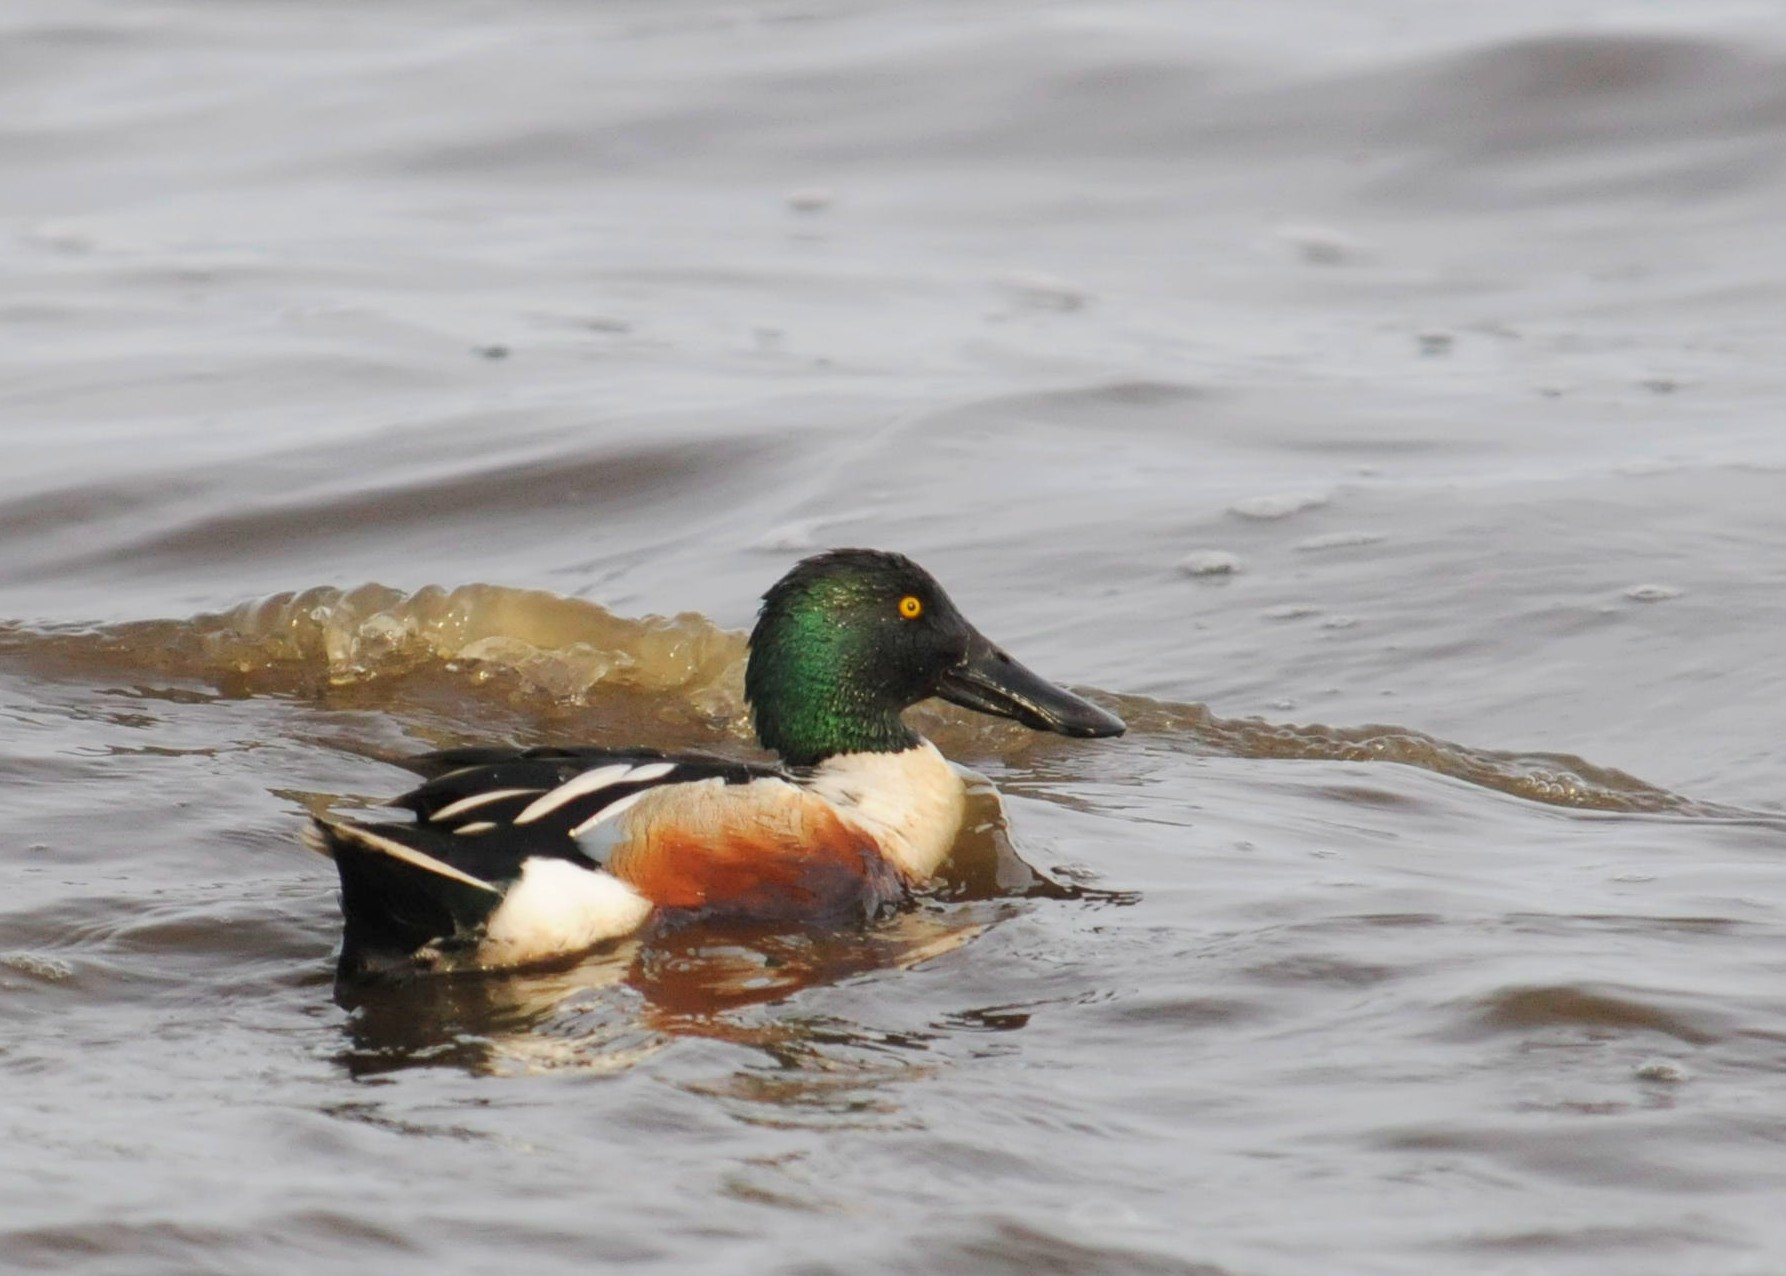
x=989, y=681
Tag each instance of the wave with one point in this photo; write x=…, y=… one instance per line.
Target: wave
x=544, y=651
x=545, y=646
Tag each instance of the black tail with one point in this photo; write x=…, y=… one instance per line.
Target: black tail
x=397, y=899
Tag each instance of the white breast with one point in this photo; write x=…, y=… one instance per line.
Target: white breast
x=911, y=803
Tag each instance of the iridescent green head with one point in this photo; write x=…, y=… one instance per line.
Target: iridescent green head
x=849, y=639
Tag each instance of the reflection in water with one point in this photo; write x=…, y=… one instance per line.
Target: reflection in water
x=612, y=1010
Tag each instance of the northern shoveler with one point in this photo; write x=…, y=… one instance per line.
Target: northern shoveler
x=518, y=857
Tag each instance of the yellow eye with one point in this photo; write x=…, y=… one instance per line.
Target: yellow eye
x=911, y=607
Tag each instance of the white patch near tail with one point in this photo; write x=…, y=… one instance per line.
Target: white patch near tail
x=558, y=909
x=316, y=836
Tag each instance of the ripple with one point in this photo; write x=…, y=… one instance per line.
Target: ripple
x=1270, y=509
x=1598, y=1240
x=1594, y=1011
x=1332, y=972
x=1023, y=1249
x=1180, y=1012
x=1337, y=540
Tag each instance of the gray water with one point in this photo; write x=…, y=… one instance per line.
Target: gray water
x=1379, y=404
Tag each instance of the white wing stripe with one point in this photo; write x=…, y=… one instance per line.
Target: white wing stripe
x=608, y=812
x=590, y=782
x=476, y=800
x=408, y=854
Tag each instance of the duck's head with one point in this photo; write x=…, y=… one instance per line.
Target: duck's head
x=849, y=639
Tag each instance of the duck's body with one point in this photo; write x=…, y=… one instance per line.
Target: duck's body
x=518, y=857
x=522, y=857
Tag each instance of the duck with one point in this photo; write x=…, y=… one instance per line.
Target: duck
x=522, y=857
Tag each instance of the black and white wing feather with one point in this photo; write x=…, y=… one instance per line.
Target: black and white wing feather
x=488, y=821
x=545, y=797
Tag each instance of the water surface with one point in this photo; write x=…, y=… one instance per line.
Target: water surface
x=1377, y=404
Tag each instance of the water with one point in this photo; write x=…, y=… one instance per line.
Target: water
x=1375, y=403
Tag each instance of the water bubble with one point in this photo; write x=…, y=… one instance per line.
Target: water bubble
x=1337, y=540
x=1280, y=505
x=1209, y=562
x=811, y=199
x=49, y=969
x=1652, y=593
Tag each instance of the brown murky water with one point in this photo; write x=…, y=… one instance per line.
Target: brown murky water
x=1379, y=403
